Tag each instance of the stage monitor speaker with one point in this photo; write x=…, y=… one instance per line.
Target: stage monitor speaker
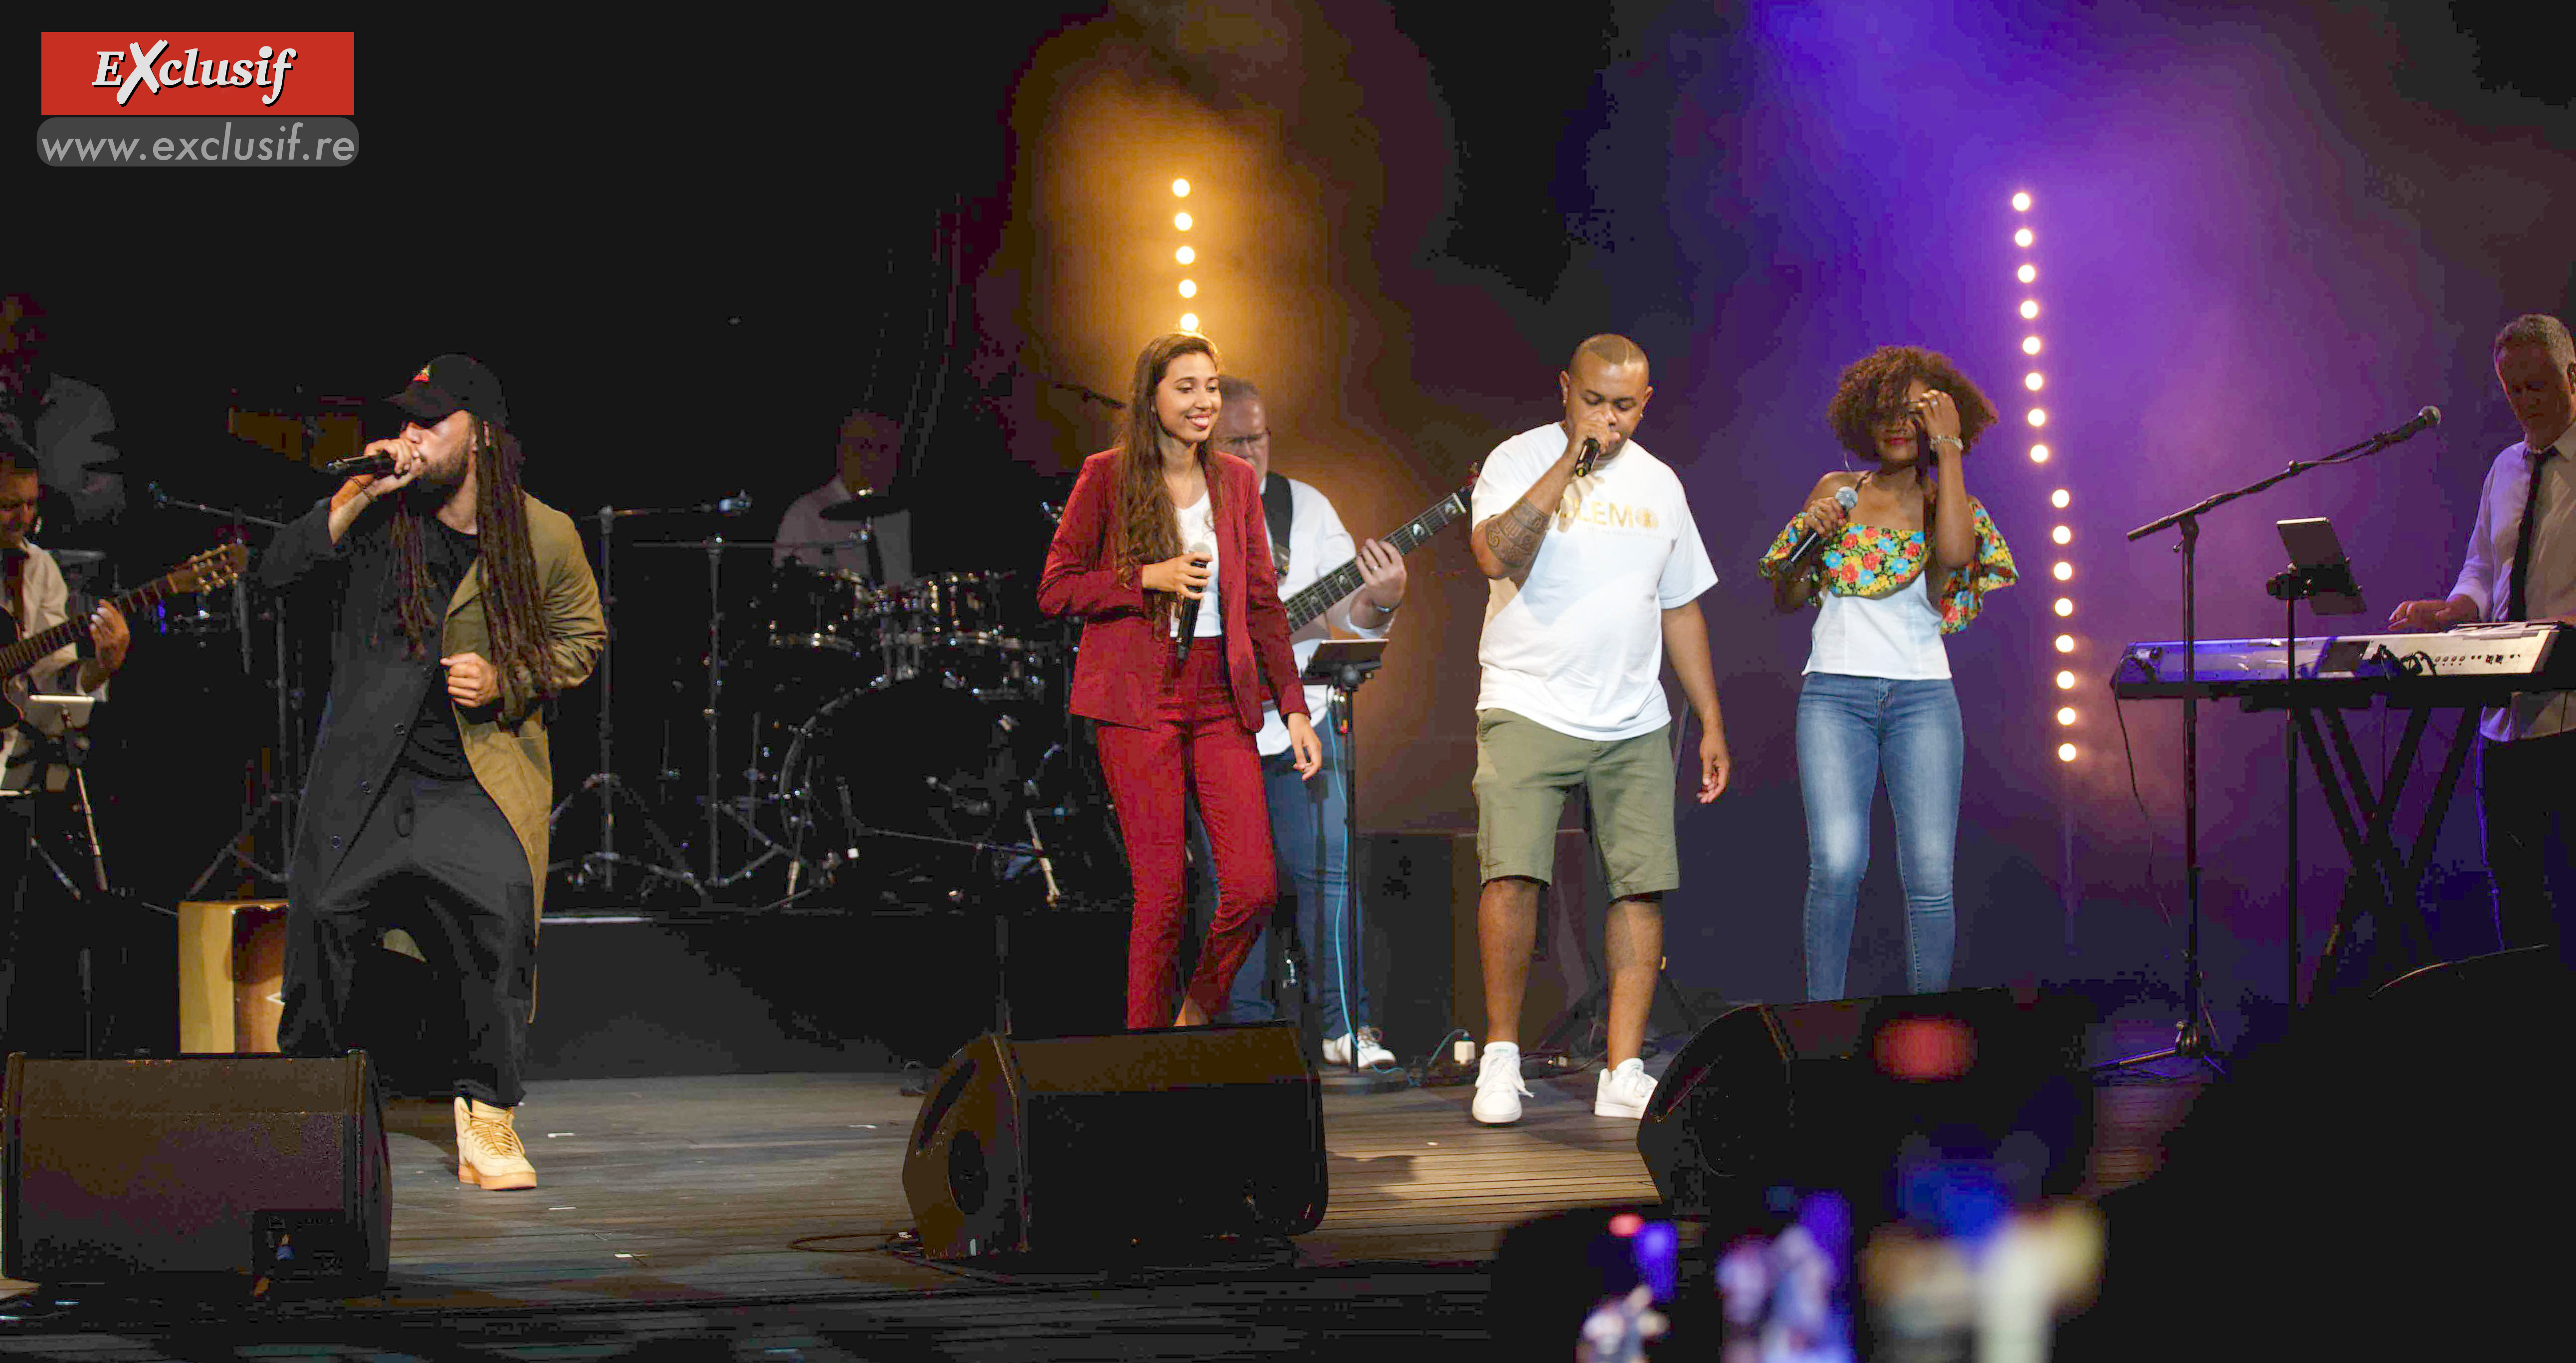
x=255, y=1167
x=1090, y=1143
x=1816, y=1096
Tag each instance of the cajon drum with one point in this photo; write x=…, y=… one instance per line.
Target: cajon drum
x=232, y=967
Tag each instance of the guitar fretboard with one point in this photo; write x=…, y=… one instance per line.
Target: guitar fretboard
x=27, y=652
x=1320, y=595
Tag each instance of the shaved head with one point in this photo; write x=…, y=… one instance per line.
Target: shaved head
x=1612, y=351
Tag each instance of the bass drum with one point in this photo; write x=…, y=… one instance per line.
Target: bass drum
x=929, y=797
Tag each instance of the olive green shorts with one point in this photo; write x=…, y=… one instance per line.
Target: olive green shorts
x=1524, y=770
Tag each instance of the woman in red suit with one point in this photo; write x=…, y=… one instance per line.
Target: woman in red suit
x=1169, y=717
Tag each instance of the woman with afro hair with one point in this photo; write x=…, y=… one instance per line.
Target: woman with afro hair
x=1907, y=557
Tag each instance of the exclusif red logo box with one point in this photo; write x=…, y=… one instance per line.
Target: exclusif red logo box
x=199, y=73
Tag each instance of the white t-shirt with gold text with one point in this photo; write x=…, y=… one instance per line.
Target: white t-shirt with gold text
x=1579, y=644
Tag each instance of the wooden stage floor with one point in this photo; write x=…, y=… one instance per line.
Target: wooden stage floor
x=674, y=1205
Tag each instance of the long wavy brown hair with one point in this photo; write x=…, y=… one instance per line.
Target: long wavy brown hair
x=511, y=603
x=1148, y=529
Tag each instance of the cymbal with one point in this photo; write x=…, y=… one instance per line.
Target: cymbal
x=865, y=506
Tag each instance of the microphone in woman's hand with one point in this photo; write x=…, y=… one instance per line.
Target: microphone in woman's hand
x=1189, y=622
x=1846, y=498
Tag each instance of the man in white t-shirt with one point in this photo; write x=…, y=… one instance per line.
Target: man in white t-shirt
x=1596, y=569
x=879, y=548
x=1309, y=818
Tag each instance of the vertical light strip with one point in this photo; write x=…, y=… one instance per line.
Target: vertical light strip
x=1181, y=222
x=2061, y=534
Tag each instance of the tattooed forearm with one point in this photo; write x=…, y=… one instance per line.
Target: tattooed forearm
x=1514, y=536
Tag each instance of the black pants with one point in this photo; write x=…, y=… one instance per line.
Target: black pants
x=2524, y=805
x=436, y=859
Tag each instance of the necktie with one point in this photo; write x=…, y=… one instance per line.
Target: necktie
x=2522, y=546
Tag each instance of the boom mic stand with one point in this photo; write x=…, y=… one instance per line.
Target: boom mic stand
x=282, y=783
x=600, y=867
x=2192, y=1036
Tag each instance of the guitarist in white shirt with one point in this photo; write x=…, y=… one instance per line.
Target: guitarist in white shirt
x=36, y=598
x=36, y=950
x=1308, y=826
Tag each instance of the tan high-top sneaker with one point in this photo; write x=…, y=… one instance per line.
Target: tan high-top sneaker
x=488, y=1153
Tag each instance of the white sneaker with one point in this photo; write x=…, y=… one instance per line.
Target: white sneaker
x=1369, y=1053
x=1623, y=1091
x=1499, y=1089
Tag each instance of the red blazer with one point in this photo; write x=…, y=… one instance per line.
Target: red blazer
x=1125, y=654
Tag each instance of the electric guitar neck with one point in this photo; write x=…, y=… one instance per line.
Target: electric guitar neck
x=1318, y=596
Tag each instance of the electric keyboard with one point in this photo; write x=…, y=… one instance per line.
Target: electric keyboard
x=2474, y=664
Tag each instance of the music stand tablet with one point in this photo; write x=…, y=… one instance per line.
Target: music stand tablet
x=1333, y=656
x=2324, y=574
x=74, y=709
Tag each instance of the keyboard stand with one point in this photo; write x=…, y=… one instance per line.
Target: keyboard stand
x=2382, y=882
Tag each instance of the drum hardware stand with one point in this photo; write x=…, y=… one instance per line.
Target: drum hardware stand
x=2194, y=1036
x=716, y=808
x=797, y=824
x=281, y=781
x=600, y=867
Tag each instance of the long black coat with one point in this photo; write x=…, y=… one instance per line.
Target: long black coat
x=376, y=691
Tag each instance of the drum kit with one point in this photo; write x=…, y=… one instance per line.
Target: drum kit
x=899, y=743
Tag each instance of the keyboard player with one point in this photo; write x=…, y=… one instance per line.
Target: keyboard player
x=2521, y=565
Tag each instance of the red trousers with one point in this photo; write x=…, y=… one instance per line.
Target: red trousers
x=1195, y=740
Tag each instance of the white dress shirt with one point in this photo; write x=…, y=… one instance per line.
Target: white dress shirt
x=2486, y=575
x=804, y=522
x=57, y=673
x=1317, y=544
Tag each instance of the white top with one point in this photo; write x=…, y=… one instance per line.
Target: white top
x=1317, y=544
x=1198, y=526
x=804, y=522
x=1579, y=645
x=1897, y=636
x=2486, y=576
x=57, y=673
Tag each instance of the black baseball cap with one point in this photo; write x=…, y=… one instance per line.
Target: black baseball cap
x=451, y=382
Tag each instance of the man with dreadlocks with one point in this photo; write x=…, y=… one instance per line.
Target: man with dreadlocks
x=465, y=607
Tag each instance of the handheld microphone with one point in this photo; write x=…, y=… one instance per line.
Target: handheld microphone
x=1188, y=626
x=1846, y=498
x=375, y=465
x=1583, y=462
x=734, y=505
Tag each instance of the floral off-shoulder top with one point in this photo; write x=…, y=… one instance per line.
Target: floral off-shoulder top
x=1875, y=561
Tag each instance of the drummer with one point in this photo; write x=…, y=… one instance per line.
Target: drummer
x=878, y=547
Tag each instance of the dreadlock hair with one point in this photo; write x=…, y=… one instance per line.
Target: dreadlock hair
x=1147, y=528
x=511, y=602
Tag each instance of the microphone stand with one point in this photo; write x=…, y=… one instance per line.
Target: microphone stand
x=2193, y=1036
x=601, y=865
x=281, y=786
